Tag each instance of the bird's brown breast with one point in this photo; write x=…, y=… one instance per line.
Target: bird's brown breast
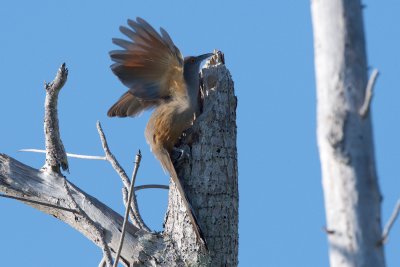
x=168, y=122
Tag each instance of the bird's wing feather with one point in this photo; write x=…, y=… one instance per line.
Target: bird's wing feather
x=149, y=63
x=130, y=106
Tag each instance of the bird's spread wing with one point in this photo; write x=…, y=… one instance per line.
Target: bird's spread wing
x=130, y=106
x=149, y=63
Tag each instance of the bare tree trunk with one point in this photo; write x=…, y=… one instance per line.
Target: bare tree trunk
x=209, y=176
x=345, y=141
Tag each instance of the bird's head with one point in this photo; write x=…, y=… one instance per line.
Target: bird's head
x=191, y=75
x=192, y=64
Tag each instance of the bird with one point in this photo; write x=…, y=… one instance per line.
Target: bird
x=159, y=78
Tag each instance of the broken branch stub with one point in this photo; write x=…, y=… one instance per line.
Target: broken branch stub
x=55, y=152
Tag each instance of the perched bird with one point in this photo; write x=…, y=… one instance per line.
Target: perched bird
x=157, y=76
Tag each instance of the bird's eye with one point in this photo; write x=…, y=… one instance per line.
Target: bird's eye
x=192, y=60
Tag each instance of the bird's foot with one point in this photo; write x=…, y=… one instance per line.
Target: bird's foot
x=178, y=155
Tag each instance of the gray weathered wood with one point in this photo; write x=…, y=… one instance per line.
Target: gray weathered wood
x=345, y=140
x=55, y=152
x=17, y=179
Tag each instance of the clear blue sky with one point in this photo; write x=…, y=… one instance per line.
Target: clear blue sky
x=268, y=49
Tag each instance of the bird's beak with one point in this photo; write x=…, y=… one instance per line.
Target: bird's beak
x=205, y=56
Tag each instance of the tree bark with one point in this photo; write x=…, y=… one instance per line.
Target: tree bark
x=345, y=140
x=209, y=176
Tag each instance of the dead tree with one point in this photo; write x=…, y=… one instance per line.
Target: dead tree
x=344, y=132
x=209, y=176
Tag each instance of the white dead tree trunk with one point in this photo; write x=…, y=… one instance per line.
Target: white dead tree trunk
x=209, y=177
x=344, y=132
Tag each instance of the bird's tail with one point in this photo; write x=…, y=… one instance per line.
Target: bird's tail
x=165, y=159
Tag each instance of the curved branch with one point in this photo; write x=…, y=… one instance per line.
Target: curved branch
x=151, y=186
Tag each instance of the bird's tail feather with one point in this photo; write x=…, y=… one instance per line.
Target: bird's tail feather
x=165, y=159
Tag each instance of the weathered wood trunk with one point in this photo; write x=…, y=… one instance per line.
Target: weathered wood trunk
x=211, y=175
x=345, y=140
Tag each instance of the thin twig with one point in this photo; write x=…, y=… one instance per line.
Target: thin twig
x=389, y=224
x=91, y=223
x=368, y=93
x=111, y=158
x=137, y=219
x=131, y=193
x=151, y=186
x=40, y=203
x=125, y=200
x=71, y=155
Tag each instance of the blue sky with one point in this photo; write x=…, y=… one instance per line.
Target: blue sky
x=269, y=51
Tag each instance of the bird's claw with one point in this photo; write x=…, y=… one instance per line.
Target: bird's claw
x=178, y=155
